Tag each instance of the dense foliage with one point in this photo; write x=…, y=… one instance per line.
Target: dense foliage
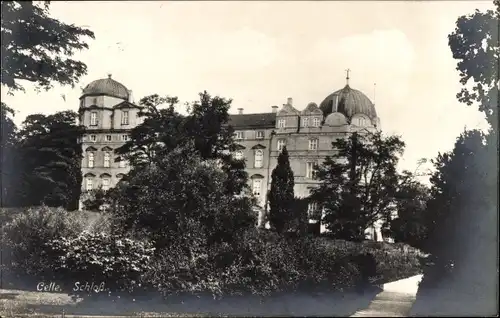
x=38, y=48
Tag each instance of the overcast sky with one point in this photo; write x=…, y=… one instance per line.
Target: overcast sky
x=260, y=53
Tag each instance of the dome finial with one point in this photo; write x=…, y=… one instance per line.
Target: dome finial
x=347, y=77
x=109, y=75
x=374, y=92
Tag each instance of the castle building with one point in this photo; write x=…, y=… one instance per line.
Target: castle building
x=108, y=113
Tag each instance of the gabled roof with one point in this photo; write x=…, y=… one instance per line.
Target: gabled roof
x=126, y=104
x=262, y=120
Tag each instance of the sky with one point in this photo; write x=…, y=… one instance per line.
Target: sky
x=259, y=53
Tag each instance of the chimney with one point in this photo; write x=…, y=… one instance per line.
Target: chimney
x=289, y=101
x=240, y=111
x=275, y=109
x=130, y=96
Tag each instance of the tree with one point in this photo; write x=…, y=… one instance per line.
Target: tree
x=206, y=126
x=51, y=160
x=8, y=162
x=411, y=202
x=359, y=184
x=281, y=196
x=474, y=43
x=182, y=193
x=38, y=48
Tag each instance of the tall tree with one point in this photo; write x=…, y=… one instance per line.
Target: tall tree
x=475, y=44
x=51, y=156
x=359, y=183
x=281, y=196
x=38, y=48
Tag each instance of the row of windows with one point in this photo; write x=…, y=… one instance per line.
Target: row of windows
x=313, y=144
x=316, y=122
x=310, y=173
x=93, y=138
x=89, y=184
x=239, y=135
x=107, y=160
x=124, y=119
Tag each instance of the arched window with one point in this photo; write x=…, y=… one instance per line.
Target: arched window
x=90, y=159
x=258, y=159
x=107, y=159
x=89, y=184
x=105, y=184
x=256, y=186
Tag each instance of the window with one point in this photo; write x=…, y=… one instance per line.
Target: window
x=281, y=144
x=256, y=186
x=89, y=184
x=105, y=184
x=94, y=101
x=313, y=144
x=125, y=137
x=107, y=157
x=108, y=137
x=93, y=137
x=238, y=155
x=122, y=163
x=305, y=122
x=259, y=156
x=93, y=119
x=125, y=117
x=281, y=123
x=260, y=134
x=91, y=160
x=316, y=122
x=312, y=209
x=239, y=135
x=311, y=170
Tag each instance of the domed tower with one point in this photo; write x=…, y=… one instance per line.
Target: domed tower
x=108, y=113
x=349, y=106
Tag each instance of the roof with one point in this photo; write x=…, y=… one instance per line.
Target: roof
x=349, y=102
x=262, y=120
x=106, y=86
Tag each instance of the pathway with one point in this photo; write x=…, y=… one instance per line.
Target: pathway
x=395, y=300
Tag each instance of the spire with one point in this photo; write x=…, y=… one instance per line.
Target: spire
x=347, y=77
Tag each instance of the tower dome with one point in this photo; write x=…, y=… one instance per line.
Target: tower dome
x=349, y=102
x=106, y=86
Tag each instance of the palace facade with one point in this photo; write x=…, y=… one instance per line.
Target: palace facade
x=108, y=112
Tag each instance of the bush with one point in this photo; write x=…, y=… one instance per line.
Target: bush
x=27, y=232
x=112, y=260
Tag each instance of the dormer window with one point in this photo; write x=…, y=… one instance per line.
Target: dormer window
x=93, y=119
x=260, y=134
x=316, y=122
x=305, y=122
x=125, y=117
x=94, y=101
x=281, y=123
x=93, y=138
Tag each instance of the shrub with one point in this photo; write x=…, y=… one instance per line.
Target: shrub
x=116, y=261
x=27, y=232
